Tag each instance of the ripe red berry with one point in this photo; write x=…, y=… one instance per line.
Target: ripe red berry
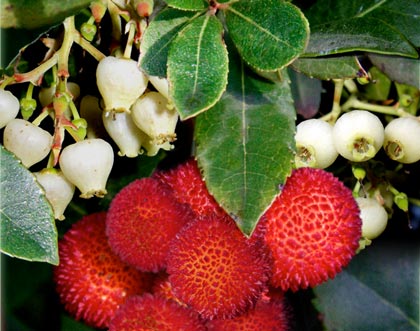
x=189, y=187
x=312, y=229
x=91, y=280
x=163, y=287
x=148, y=312
x=142, y=219
x=270, y=315
x=215, y=269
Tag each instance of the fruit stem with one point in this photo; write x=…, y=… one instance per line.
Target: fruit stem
x=34, y=75
x=114, y=12
x=400, y=198
x=37, y=121
x=74, y=111
x=332, y=116
x=355, y=103
x=6, y=82
x=29, y=91
x=82, y=42
x=50, y=163
x=64, y=51
x=351, y=86
x=130, y=40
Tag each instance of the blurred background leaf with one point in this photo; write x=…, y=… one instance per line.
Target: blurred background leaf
x=378, y=291
x=31, y=14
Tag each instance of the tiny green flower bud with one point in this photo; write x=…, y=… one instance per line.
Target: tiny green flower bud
x=401, y=200
x=88, y=31
x=27, y=107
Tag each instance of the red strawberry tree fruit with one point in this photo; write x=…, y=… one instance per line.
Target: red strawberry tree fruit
x=212, y=165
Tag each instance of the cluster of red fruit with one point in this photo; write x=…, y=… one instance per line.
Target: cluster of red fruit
x=166, y=256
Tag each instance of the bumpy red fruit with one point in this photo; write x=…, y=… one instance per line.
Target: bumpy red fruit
x=266, y=315
x=312, y=229
x=215, y=269
x=91, y=280
x=190, y=188
x=142, y=219
x=163, y=287
x=147, y=312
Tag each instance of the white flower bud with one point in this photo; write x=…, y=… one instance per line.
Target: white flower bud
x=87, y=164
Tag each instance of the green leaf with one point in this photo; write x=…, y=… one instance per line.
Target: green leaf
x=379, y=87
x=403, y=15
x=27, y=228
x=360, y=25
x=158, y=37
x=245, y=144
x=269, y=34
x=325, y=68
x=378, y=291
x=401, y=70
x=188, y=4
x=34, y=14
x=197, y=66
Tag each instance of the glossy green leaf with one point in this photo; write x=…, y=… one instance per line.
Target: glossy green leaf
x=157, y=38
x=378, y=291
x=34, y=14
x=268, y=34
x=325, y=68
x=401, y=70
x=188, y=4
x=197, y=66
x=363, y=25
x=401, y=15
x=245, y=144
x=27, y=227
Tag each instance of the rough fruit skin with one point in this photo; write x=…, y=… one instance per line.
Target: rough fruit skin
x=189, y=187
x=142, y=220
x=215, y=269
x=266, y=315
x=91, y=280
x=147, y=313
x=312, y=229
x=163, y=287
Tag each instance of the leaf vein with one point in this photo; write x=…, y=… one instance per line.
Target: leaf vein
x=372, y=8
x=197, y=63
